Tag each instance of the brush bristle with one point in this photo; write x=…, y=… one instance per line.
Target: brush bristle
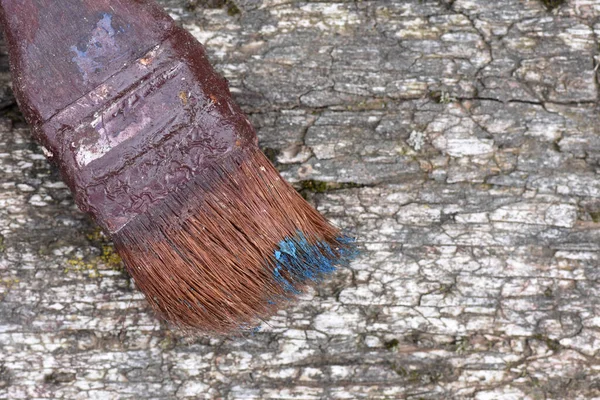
x=231, y=248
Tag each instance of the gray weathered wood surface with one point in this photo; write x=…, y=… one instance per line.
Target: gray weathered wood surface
x=460, y=140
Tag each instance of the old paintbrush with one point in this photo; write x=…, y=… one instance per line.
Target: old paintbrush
x=150, y=142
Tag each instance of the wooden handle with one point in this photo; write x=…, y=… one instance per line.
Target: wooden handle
x=125, y=102
x=62, y=49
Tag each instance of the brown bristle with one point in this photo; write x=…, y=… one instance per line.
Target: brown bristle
x=230, y=248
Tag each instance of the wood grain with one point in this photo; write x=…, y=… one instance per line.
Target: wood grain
x=458, y=139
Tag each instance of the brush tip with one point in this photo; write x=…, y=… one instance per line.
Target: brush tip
x=232, y=247
x=298, y=261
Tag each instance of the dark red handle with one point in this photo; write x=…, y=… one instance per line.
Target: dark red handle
x=62, y=49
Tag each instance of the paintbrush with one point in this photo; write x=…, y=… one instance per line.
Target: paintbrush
x=149, y=140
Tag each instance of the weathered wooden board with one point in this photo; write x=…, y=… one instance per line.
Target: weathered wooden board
x=458, y=139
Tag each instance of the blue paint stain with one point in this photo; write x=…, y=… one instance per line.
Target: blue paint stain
x=298, y=261
x=100, y=46
x=106, y=24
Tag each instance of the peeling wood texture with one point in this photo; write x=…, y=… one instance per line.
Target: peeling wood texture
x=458, y=139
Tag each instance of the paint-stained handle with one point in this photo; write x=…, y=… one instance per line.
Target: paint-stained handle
x=125, y=102
x=60, y=50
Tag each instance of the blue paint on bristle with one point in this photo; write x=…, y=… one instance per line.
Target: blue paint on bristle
x=302, y=261
x=298, y=261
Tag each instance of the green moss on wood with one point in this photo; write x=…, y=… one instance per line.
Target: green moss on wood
x=271, y=154
x=89, y=264
x=552, y=4
x=57, y=377
x=552, y=344
x=392, y=344
x=316, y=186
x=108, y=254
x=232, y=8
